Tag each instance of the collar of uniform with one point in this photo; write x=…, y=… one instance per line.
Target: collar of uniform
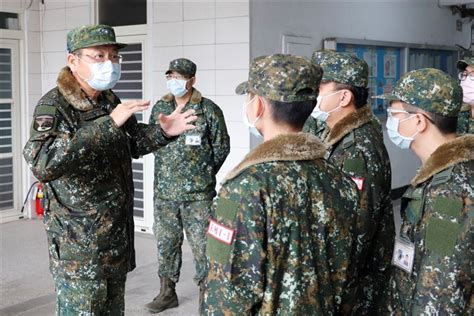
x=286, y=147
x=465, y=107
x=348, y=124
x=196, y=97
x=450, y=153
x=74, y=95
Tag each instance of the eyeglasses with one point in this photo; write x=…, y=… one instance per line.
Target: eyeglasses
x=391, y=113
x=178, y=77
x=101, y=58
x=464, y=74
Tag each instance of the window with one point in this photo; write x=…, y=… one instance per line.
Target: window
x=122, y=12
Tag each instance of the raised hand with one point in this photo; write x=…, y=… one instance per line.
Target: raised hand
x=123, y=111
x=177, y=122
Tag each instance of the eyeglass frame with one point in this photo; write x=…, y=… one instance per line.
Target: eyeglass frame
x=178, y=77
x=390, y=111
x=103, y=59
x=464, y=74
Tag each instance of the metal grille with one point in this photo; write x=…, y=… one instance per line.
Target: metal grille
x=129, y=87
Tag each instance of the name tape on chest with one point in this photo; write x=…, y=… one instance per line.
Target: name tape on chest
x=193, y=140
x=359, y=182
x=220, y=232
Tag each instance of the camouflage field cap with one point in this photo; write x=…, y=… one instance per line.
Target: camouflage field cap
x=342, y=67
x=429, y=89
x=285, y=78
x=91, y=35
x=463, y=63
x=182, y=66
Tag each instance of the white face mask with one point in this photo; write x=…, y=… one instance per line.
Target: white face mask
x=392, y=129
x=320, y=114
x=247, y=123
x=177, y=87
x=104, y=76
x=467, y=90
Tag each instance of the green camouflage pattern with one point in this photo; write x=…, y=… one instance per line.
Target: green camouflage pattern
x=342, y=67
x=438, y=217
x=170, y=219
x=91, y=35
x=85, y=164
x=284, y=78
x=429, y=89
x=360, y=153
x=90, y=297
x=184, y=172
x=463, y=63
x=465, y=120
x=291, y=215
x=182, y=66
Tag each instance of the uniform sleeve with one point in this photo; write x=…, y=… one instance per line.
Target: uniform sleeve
x=54, y=149
x=220, y=140
x=236, y=277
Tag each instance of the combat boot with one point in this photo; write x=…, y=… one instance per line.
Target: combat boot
x=166, y=299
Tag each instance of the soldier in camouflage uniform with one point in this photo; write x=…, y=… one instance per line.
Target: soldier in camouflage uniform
x=466, y=114
x=353, y=135
x=82, y=143
x=185, y=180
x=280, y=242
x=433, y=253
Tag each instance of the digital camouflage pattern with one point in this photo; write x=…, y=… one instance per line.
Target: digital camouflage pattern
x=342, y=67
x=90, y=297
x=185, y=181
x=91, y=35
x=290, y=212
x=285, y=78
x=186, y=172
x=465, y=120
x=182, y=66
x=438, y=217
x=429, y=89
x=85, y=163
x=171, y=217
x=463, y=63
x=355, y=146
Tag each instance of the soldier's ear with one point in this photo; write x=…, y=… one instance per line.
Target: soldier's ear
x=72, y=62
x=346, y=98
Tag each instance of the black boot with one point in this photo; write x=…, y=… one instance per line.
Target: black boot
x=166, y=299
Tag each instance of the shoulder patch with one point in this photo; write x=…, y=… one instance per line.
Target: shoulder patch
x=44, y=118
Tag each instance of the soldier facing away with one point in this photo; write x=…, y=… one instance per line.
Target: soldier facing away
x=354, y=139
x=280, y=241
x=185, y=180
x=466, y=114
x=81, y=147
x=436, y=238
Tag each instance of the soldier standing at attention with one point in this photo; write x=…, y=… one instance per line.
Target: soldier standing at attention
x=185, y=181
x=280, y=242
x=81, y=147
x=466, y=114
x=353, y=135
x=436, y=237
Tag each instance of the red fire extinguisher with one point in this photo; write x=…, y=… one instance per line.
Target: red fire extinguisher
x=39, y=200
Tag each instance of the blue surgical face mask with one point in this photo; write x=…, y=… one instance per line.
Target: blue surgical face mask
x=104, y=76
x=392, y=129
x=320, y=114
x=247, y=123
x=177, y=87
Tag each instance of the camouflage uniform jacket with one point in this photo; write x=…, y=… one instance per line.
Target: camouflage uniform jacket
x=283, y=218
x=355, y=144
x=85, y=160
x=184, y=172
x=465, y=121
x=438, y=217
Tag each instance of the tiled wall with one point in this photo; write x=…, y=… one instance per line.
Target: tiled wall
x=215, y=35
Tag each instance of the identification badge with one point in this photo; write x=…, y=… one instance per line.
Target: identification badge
x=403, y=254
x=193, y=140
x=359, y=182
x=220, y=232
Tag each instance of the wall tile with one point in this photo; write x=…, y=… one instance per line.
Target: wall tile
x=54, y=62
x=168, y=34
x=167, y=11
x=53, y=4
x=53, y=19
x=206, y=82
x=33, y=21
x=239, y=134
x=77, y=16
x=34, y=42
x=34, y=63
x=79, y=3
x=54, y=41
x=32, y=102
x=199, y=32
x=232, y=56
x=34, y=84
x=232, y=30
x=231, y=106
x=232, y=8
x=198, y=10
x=48, y=82
x=203, y=55
x=163, y=55
x=228, y=80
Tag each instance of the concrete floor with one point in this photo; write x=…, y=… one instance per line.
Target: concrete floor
x=26, y=285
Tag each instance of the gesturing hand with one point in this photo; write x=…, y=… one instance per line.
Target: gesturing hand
x=177, y=122
x=123, y=111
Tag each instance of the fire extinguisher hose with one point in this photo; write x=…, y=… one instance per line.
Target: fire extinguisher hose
x=28, y=195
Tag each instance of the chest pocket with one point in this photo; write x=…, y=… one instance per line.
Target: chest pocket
x=413, y=199
x=90, y=116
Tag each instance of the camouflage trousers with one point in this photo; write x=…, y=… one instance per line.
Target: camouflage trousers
x=171, y=218
x=90, y=297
